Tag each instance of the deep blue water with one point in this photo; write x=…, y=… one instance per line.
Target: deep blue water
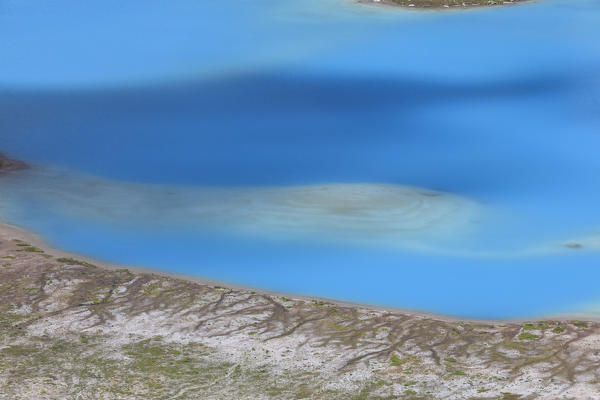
x=498, y=106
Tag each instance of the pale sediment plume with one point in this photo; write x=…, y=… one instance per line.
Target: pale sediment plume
x=366, y=214
x=383, y=214
x=390, y=214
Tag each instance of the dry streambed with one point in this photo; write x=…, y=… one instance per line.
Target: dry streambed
x=69, y=329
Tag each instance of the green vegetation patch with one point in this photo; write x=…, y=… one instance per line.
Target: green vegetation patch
x=366, y=391
x=144, y=369
x=540, y=326
x=580, y=324
x=528, y=336
x=31, y=249
x=395, y=361
x=9, y=320
x=72, y=261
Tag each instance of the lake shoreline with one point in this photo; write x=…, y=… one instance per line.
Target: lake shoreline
x=69, y=328
x=70, y=324
x=9, y=231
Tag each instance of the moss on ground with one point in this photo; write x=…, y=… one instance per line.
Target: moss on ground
x=528, y=336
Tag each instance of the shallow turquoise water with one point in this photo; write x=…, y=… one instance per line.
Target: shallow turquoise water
x=134, y=115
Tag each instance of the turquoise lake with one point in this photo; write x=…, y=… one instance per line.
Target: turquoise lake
x=447, y=162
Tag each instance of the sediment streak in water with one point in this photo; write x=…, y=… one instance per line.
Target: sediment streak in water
x=392, y=215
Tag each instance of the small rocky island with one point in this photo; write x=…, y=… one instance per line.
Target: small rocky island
x=444, y=4
x=8, y=165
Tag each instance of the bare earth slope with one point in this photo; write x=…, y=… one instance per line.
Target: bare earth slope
x=72, y=330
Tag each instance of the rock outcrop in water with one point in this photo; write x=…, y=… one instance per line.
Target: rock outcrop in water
x=8, y=165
